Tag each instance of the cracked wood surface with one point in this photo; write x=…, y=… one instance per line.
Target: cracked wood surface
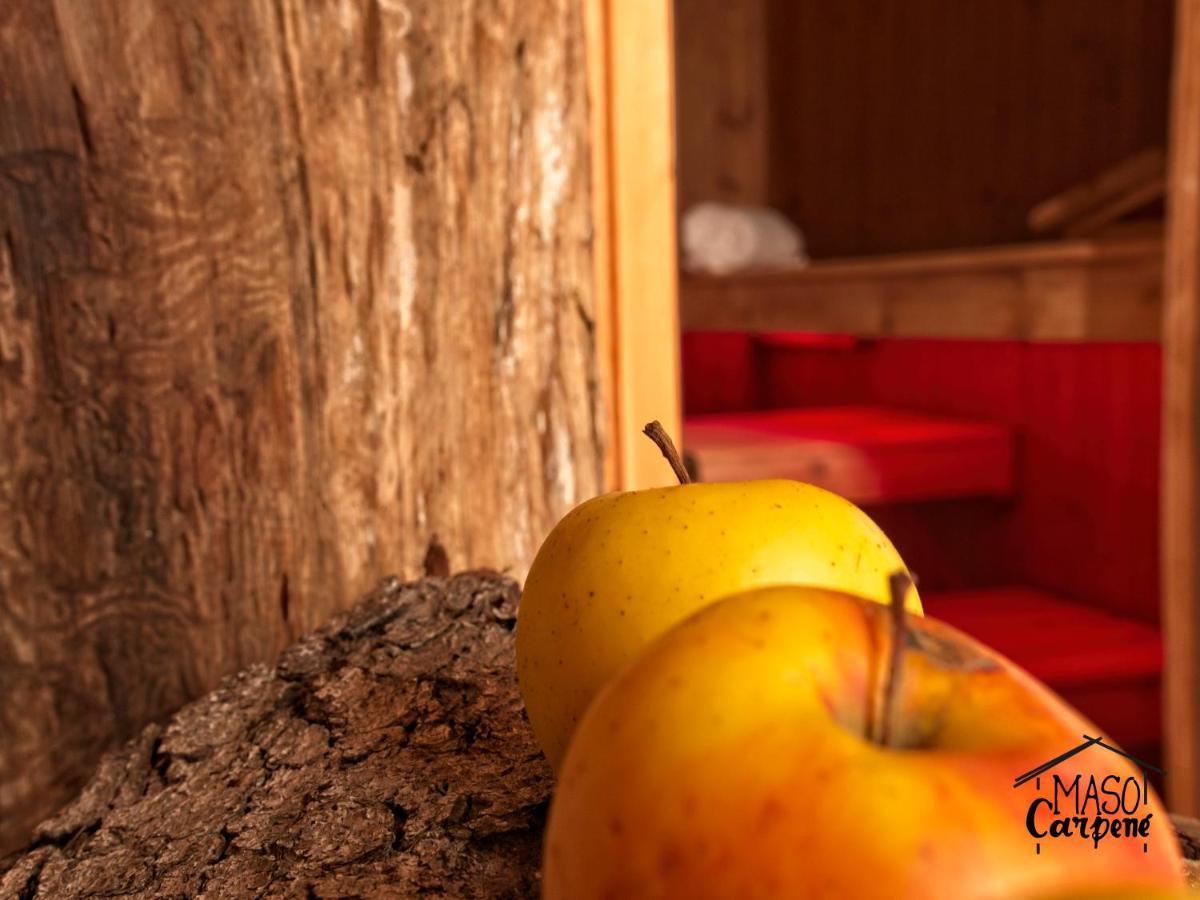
x=386, y=755
x=286, y=289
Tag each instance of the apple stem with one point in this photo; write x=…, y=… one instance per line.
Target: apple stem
x=658, y=434
x=898, y=584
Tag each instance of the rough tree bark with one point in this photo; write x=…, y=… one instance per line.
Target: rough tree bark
x=386, y=756
x=286, y=289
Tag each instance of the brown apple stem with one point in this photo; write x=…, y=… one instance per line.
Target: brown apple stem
x=658, y=434
x=898, y=585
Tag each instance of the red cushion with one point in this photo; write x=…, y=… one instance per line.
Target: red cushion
x=866, y=453
x=1106, y=666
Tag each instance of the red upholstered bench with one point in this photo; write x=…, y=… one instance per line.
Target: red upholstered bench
x=869, y=454
x=1106, y=666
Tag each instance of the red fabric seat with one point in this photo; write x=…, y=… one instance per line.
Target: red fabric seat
x=869, y=454
x=1106, y=666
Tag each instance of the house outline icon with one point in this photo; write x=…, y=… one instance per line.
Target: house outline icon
x=1088, y=741
x=1036, y=772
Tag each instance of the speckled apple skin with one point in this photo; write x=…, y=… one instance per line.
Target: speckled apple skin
x=621, y=569
x=730, y=761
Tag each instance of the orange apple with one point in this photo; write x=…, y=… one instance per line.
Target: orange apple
x=774, y=745
x=1120, y=893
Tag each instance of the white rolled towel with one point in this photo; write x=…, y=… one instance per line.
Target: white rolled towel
x=722, y=238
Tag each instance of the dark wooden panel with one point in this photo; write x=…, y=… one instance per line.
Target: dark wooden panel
x=919, y=124
x=722, y=99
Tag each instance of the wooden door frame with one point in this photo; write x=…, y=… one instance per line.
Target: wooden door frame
x=630, y=70
x=1181, y=423
x=630, y=49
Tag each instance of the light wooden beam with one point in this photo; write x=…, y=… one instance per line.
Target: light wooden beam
x=633, y=114
x=1076, y=290
x=1181, y=423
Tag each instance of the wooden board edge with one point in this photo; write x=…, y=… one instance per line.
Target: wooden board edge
x=1180, y=424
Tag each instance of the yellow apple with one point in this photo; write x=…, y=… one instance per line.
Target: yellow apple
x=621, y=569
x=738, y=756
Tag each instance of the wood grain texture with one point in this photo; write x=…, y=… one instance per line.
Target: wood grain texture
x=723, y=105
x=903, y=125
x=642, y=244
x=1181, y=424
x=604, y=241
x=1055, y=291
x=387, y=755
x=286, y=289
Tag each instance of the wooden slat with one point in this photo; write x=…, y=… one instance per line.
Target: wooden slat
x=1111, y=211
x=1062, y=291
x=1181, y=440
x=1083, y=202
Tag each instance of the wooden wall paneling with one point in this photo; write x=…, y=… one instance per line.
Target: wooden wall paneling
x=797, y=375
x=1087, y=516
x=286, y=290
x=720, y=372
x=1086, y=421
x=952, y=545
x=723, y=111
x=900, y=125
x=1181, y=423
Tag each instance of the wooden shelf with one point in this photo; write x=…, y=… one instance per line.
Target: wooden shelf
x=1107, y=666
x=1080, y=290
x=866, y=454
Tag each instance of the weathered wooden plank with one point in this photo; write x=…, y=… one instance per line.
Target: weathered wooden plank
x=1062, y=291
x=286, y=289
